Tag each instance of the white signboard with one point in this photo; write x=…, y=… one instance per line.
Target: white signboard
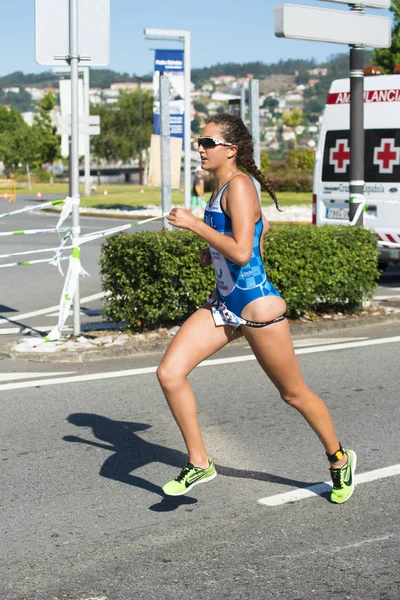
x=52, y=31
x=369, y=3
x=65, y=108
x=338, y=27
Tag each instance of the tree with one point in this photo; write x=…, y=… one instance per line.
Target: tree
x=302, y=159
x=120, y=127
x=264, y=163
x=270, y=103
x=18, y=143
x=388, y=58
x=196, y=125
x=293, y=119
x=45, y=132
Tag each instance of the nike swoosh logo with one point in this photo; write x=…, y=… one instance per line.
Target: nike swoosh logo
x=187, y=483
x=350, y=480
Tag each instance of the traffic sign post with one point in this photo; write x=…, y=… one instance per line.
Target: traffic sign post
x=74, y=31
x=356, y=29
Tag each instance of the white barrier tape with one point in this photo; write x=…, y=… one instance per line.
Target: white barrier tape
x=359, y=198
x=75, y=270
x=34, y=231
x=67, y=208
x=32, y=252
x=57, y=257
x=31, y=208
x=89, y=237
x=30, y=262
x=70, y=284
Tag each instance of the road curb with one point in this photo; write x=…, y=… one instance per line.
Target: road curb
x=154, y=346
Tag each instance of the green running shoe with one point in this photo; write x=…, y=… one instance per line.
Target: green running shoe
x=188, y=478
x=343, y=479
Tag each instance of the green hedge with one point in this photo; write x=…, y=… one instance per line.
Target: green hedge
x=156, y=280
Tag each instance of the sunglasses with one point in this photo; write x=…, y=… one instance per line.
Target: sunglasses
x=210, y=142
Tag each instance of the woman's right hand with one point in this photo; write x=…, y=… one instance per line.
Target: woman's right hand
x=205, y=257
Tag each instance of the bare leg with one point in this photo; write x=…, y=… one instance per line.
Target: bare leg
x=273, y=348
x=196, y=340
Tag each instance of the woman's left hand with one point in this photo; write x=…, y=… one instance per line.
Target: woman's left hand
x=180, y=217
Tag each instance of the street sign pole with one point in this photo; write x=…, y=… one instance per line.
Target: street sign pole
x=357, y=136
x=255, y=125
x=165, y=143
x=181, y=36
x=74, y=156
x=242, y=103
x=357, y=30
x=86, y=107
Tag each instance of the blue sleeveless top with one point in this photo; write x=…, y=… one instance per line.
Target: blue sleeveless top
x=237, y=286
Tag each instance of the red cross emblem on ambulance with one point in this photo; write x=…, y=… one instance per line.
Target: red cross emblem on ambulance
x=387, y=155
x=339, y=156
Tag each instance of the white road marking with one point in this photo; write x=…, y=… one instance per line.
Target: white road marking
x=322, y=488
x=45, y=311
x=206, y=363
x=301, y=343
x=17, y=376
x=389, y=296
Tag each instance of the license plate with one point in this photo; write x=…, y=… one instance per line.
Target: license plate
x=337, y=213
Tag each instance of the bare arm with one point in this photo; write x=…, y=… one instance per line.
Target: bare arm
x=240, y=207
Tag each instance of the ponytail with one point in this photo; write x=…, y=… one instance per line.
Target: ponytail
x=236, y=132
x=255, y=172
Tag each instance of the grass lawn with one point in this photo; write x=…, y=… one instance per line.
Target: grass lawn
x=119, y=196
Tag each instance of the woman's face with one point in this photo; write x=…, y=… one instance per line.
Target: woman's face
x=213, y=158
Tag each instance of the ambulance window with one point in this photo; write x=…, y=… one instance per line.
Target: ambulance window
x=382, y=156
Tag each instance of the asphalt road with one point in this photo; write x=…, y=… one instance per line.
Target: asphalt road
x=83, y=462
x=35, y=289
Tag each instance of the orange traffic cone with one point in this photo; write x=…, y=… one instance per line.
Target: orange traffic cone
x=39, y=195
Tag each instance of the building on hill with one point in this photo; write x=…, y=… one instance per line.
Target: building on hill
x=124, y=86
x=28, y=117
x=318, y=71
x=36, y=93
x=223, y=79
x=223, y=97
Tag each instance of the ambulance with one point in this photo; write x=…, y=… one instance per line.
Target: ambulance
x=382, y=161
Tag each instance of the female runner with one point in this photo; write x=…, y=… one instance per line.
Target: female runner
x=244, y=303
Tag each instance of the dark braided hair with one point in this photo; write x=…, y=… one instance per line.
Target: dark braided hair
x=235, y=132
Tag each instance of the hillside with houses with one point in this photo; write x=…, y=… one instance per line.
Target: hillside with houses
x=284, y=86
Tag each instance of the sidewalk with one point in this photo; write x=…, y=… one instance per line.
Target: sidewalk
x=300, y=213
x=115, y=343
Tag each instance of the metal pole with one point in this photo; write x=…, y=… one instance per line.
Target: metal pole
x=243, y=103
x=187, y=120
x=87, y=136
x=357, y=136
x=74, y=154
x=139, y=80
x=165, y=143
x=255, y=125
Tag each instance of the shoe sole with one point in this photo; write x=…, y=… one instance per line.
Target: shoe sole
x=353, y=472
x=205, y=480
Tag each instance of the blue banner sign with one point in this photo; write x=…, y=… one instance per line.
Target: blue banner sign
x=171, y=64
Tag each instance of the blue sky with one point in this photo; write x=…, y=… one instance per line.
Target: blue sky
x=222, y=31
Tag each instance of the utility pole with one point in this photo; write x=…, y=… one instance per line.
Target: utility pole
x=139, y=80
x=74, y=154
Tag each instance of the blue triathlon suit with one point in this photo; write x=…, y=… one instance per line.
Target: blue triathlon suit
x=237, y=286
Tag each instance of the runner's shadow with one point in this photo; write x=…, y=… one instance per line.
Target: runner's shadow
x=130, y=452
